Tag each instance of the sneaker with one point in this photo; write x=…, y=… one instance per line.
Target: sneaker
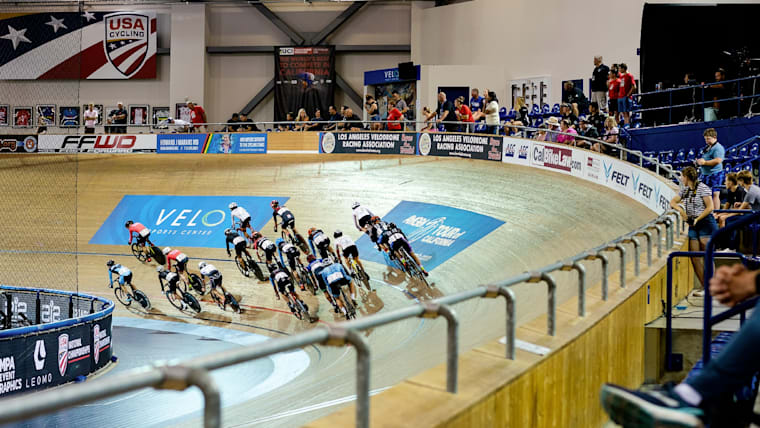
x=660, y=407
x=698, y=293
x=336, y=309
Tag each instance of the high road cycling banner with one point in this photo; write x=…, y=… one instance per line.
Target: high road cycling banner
x=380, y=143
x=185, y=221
x=304, y=77
x=435, y=232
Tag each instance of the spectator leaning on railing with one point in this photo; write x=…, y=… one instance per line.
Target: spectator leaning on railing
x=373, y=111
x=492, y=113
x=316, y=122
x=232, y=123
x=394, y=117
x=464, y=114
x=335, y=117
x=446, y=113
x=712, y=164
x=287, y=126
x=118, y=119
x=90, y=119
x=352, y=121
x=302, y=120
x=247, y=125
x=599, y=82
x=476, y=104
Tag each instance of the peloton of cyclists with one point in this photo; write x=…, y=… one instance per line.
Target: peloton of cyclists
x=288, y=219
x=142, y=234
x=214, y=280
x=281, y=283
x=335, y=277
x=180, y=260
x=315, y=266
x=319, y=243
x=346, y=247
x=241, y=220
x=238, y=243
x=286, y=249
x=172, y=279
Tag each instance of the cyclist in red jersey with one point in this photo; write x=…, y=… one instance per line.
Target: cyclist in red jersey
x=142, y=235
x=180, y=260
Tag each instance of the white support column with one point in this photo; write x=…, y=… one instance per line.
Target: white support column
x=188, y=53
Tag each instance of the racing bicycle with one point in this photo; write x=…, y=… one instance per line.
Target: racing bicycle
x=292, y=238
x=155, y=253
x=306, y=278
x=249, y=266
x=188, y=298
x=229, y=299
x=301, y=310
x=358, y=272
x=409, y=266
x=125, y=297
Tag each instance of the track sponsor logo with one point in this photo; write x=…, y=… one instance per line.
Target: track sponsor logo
x=554, y=157
x=663, y=203
x=470, y=146
x=180, y=143
x=614, y=176
x=8, y=380
x=63, y=353
x=516, y=151
x=381, y=143
x=127, y=41
x=593, y=168
x=287, y=51
x=97, y=143
x=101, y=340
x=18, y=143
x=50, y=312
x=640, y=188
x=424, y=144
x=39, y=355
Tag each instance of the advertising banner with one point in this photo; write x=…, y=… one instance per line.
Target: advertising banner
x=435, y=232
x=180, y=143
x=76, y=45
x=22, y=143
x=91, y=143
x=485, y=147
x=559, y=158
x=304, y=77
x=236, y=143
x=516, y=150
x=184, y=221
x=381, y=143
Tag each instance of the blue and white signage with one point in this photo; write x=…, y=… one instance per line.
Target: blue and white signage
x=387, y=75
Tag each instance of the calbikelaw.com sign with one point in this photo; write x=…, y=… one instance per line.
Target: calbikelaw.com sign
x=182, y=221
x=435, y=232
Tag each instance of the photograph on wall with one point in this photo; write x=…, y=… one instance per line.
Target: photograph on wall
x=22, y=117
x=5, y=110
x=181, y=112
x=45, y=114
x=160, y=117
x=69, y=116
x=98, y=108
x=138, y=115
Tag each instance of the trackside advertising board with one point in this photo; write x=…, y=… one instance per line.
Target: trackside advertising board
x=187, y=221
x=23, y=143
x=223, y=143
x=116, y=143
x=471, y=146
x=380, y=143
x=435, y=232
x=612, y=173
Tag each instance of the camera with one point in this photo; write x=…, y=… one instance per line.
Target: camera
x=691, y=221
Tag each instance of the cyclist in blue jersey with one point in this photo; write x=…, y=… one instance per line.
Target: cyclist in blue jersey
x=335, y=277
x=286, y=249
x=125, y=275
x=316, y=266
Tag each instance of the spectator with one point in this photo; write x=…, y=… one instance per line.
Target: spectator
x=247, y=125
x=302, y=121
x=464, y=114
x=429, y=117
x=712, y=164
x=394, y=117
x=118, y=119
x=373, y=112
x=541, y=134
x=492, y=113
x=613, y=85
x=575, y=97
x=627, y=88
x=690, y=403
x=610, y=136
x=352, y=121
x=90, y=119
x=289, y=118
x=316, y=122
x=476, y=105
x=522, y=112
x=596, y=118
x=717, y=91
x=588, y=131
x=400, y=104
x=752, y=197
x=552, y=126
x=232, y=123
x=599, y=79
x=734, y=197
x=566, y=111
x=446, y=113
x=563, y=138
x=335, y=117
x=197, y=116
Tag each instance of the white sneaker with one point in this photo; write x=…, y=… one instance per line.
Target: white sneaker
x=698, y=293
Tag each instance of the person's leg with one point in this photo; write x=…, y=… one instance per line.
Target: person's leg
x=697, y=262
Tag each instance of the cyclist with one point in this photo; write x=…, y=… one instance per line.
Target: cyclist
x=376, y=231
x=335, y=276
x=319, y=240
x=125, y=275
x=292, y=253
x=142, y=233
x=395, y=239
x=267, y=246
x=282, y=284
x=241, y=215
x=215, y=280
x=315, y=267
x=179, y=258
x=288, y=219
x=346, y=247
x=238, y=243
x=362, y=216
x=171, y=279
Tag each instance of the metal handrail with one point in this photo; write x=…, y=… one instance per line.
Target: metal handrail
x=195, y=371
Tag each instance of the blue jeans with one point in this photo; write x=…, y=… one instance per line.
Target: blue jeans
x=704, y=229
x=734, y=366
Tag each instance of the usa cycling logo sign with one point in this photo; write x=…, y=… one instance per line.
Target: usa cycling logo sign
x=435, y=232
x=185, y=221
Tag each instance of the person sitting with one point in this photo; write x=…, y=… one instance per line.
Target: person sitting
x=287, y=126
x=564, y=138
x=335, y=117
x=302, y=121
x=522, y=112
x=734, y=197
x=610, y=136
x=541, y=134
x=351, y=121
x=552, y=126
x=247, y=125
x=586, y=130
x=232, y=123
x=316, y=122
x=566, y=111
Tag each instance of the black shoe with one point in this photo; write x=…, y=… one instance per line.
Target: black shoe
x=354, y=302
x=660, y=407
x=306, y=307
x=336, y=309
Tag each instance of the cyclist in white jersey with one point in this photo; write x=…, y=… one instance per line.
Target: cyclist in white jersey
x=346, y=247
x=243, y=218
x=215, y=279
x=362, y=217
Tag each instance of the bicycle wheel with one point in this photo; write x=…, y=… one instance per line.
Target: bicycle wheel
x=233, y=303
x=303, y=309
x=242, y=268
x=307, y=279
x=295, y=305
x=172, y=298
x=350, y=310
x=196, y=283
x=192, y=302
x=122, y=297
x=138, y=252
x=142, y=299
x=413, y=268
x=217, y=300
x=256, y=269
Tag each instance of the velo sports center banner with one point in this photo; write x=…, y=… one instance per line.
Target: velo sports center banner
x=304, y=78
x=381, y=143
x=435, y=232
x=74, y=45
x=185, y=221
x=224, y=143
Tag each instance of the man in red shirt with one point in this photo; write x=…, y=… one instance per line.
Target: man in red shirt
x=627, y=87
x=393, y=117
x=613, y=84
x=197, y=116
x=464, y=114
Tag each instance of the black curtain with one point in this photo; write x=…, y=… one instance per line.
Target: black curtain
x=304, y=78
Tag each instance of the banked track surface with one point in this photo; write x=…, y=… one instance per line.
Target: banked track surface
x=547, y=217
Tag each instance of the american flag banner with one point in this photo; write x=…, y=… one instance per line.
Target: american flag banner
x=73, y=45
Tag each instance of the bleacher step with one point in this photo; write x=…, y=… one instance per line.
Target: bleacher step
x=687, y=315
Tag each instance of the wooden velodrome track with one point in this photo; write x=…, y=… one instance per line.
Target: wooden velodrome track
x=547, y=217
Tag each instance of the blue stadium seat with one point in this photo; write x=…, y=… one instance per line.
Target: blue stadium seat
x=666, y=157
x=442, y=128
x=737, y=168
x=680, y=156
x=691, y=156
x=538, y=122
x=728, y=166
x=747, y=167
x=535, y=110
x=743, y=152
x=511, y=115
x=546, y=109
x=503, y=113
x=555, y=108
x=731, y=153
x=648, y=155
x=480, y=127
x=754, y=149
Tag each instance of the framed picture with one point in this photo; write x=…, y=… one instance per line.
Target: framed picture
x=5, y=114
x=98, y=108
x=45, y=115
x=138, y=115
x=182, y=112
x=160, y=116
x=22, y=117
x=69, y=116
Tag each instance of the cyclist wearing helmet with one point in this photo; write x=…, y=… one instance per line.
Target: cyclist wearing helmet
x=214, y=279
x=319, y=243
x=142, y=233
x=238, y=243
x=264, y=244
x=346, y=247
x=395, y=239
x=242, y=216
x=335, y=277
x=125, y=275
x=315, y=267
x=362, y=216
x=179, y=258
x=292, y=253
x=172, y=279
x=281, y=283
x=377, y=231
x=288, y=219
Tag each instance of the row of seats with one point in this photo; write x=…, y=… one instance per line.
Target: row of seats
x=737, y=158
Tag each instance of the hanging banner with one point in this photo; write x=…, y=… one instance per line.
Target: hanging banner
x=304, y=78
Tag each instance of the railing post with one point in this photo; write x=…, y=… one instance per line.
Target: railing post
x=605, y=270
x=659, y=238
x=495, y=291
x=180, y=378
x=551, y=319
x=576, y=266
x=38, y=307
x=433, y=310
x=648, y=234
x=339, y=337
x=620, y=248
x=636, y=244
